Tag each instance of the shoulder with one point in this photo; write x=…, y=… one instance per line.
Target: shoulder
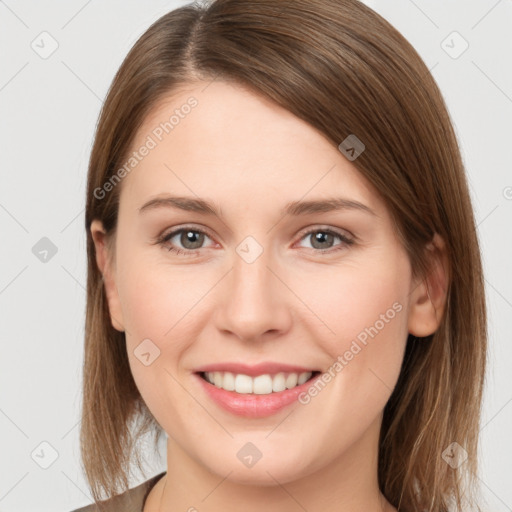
x=130, y=501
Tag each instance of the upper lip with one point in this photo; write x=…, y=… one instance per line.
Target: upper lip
x=253, y=370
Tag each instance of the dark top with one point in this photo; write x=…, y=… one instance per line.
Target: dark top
x=130, y=501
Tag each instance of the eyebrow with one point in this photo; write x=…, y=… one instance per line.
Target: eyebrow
x=294, y=208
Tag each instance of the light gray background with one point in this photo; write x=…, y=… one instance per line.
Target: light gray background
x=48, y=112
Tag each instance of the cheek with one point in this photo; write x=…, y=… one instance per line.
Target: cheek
x=365, y=310
x=159, y=302
x=161, y=307
x=158, y=308
x=351, y=299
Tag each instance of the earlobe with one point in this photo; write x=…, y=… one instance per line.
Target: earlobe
x=103, y=261
x=428, y=298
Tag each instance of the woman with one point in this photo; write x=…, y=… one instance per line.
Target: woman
x=283, y=270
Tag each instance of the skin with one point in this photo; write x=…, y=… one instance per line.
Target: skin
x=293, y=304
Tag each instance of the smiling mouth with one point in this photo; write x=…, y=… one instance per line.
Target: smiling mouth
x=265, y=384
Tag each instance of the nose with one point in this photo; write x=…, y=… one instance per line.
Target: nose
x=254, y=301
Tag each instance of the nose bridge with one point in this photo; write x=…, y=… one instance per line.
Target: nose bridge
x=254, y=299
x=252, y=278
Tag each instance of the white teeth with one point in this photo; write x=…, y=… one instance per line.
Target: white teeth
x=279, y=382
x=260, y=385
x=228, y=382
x=243, y=384
x=291, y=380
x=303, y=377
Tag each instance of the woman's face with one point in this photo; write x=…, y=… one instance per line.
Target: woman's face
x=297, y=288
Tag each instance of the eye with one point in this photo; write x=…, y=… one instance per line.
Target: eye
x=191, y=239
x=322, y=239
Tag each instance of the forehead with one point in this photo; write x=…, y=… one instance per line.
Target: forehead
x=222, y=139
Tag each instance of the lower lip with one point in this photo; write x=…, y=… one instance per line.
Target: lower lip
x=252, y=405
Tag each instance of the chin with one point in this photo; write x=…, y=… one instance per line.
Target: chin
x=263, y=472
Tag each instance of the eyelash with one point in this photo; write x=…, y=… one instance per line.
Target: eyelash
x=164, y=239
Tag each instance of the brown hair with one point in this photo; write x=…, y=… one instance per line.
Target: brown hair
x=345, y=70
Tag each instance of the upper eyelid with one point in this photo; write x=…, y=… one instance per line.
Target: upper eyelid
x=325, y=227
x=175, y=231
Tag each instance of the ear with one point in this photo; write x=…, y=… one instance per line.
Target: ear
x=103, y=260
x=428, y=298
